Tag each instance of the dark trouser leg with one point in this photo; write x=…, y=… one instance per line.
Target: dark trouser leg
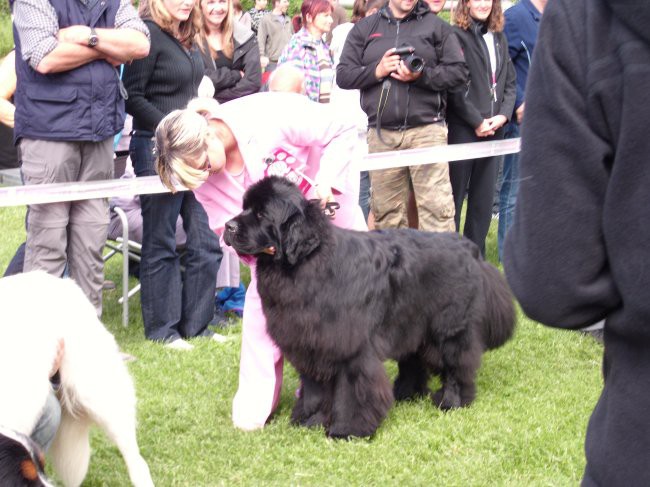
x=202, y=260
x=479, y=200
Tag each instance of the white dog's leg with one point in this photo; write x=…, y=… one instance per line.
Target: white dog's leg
x=70, y=451
x=122, y=433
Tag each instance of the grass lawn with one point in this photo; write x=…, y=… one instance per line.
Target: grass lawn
x=526, y=426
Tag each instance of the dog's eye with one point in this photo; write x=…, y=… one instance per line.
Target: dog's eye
x=259, y=215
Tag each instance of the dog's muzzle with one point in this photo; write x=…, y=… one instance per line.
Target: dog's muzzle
x=231, y=231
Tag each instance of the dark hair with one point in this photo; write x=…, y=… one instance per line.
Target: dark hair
x=494, y=22
x=296, y=22
x=358, y=10
x=313, y=8
x=374, y=4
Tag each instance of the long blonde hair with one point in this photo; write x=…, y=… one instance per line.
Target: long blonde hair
x=181, y=136
x=226, y=28
x=187, y=30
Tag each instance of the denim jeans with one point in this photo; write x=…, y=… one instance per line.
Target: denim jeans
x=48, y=423
x=174, y=306
x=509, y=188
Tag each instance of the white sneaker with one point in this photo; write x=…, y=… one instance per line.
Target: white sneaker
x=179, y=344
x=220, y=338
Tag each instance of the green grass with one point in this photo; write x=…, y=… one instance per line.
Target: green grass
x=526, y=427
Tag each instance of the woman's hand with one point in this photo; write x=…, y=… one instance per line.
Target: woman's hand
x=496, y=122
x=324, y=194
x=484, y=129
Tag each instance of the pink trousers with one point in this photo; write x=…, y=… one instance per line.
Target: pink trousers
x=261, y=362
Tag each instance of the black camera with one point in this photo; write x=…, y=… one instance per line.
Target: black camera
x=412, y=61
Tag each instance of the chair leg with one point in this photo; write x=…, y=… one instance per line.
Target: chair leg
x=125, y=266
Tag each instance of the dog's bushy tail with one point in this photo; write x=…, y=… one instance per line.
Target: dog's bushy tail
x=499, y=321
x=70, y=451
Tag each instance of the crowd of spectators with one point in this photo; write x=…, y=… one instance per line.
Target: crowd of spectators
x=397, y=72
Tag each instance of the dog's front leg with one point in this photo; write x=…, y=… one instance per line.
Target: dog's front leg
x=362, y=397
x=314, y=403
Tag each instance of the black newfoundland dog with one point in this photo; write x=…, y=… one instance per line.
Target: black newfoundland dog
x=340, y=302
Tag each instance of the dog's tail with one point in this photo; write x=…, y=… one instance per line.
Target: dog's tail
x=499, y=322
x=70, y=451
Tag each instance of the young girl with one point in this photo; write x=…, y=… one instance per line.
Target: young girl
x=480, y=111
x=223, y=152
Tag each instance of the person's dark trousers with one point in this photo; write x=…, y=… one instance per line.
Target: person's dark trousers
x=476, y=179
x=509, y=188
x=174, y=307
x=364, y=194
x=16, y=264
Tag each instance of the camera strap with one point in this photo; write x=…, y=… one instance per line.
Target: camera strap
x=381, y=105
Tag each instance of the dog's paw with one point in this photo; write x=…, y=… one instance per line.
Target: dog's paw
x=346, y=432
x=314, y=421
x=444, y=400
x=405, y=392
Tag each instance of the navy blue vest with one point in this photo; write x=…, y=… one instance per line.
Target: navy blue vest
x=83, y=104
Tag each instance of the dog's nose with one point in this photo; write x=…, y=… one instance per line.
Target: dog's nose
x=231, y=226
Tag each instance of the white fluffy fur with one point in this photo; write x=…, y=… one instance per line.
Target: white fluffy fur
x=96, y=388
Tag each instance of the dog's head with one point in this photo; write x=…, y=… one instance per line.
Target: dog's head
x=278, y=221
x=21, y=462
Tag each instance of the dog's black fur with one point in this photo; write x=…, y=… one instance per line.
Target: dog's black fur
x=340, y=302
x=21, y=462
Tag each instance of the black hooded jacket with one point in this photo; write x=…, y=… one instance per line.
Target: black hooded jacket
x=414, y=104
x=579, y=249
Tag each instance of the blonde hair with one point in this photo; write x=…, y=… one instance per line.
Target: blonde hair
x=494, y=22
x=226, y=28
x=180, y=137
x=187, y=29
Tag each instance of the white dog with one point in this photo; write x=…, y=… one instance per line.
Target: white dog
x=37, y=311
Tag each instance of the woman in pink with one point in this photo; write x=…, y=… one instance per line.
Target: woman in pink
x=225, y=149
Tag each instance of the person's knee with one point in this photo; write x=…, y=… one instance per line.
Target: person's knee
x=48, y=423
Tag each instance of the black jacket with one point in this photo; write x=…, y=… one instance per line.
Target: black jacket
x=579, y=249
x=409, y=104
x=163, y=81
x=479, y=99
x=228, y=82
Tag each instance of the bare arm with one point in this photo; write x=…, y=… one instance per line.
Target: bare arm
x=7, y=89
x=49, y=49
x=114, y=45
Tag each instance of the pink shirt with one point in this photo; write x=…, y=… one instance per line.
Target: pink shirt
x=320, y=142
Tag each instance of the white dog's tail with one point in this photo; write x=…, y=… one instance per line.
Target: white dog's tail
x=70, y=451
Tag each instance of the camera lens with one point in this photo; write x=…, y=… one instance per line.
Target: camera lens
x=414, y=63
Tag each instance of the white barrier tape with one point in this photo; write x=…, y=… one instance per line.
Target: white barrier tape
x=441, y=153
x=58, y=192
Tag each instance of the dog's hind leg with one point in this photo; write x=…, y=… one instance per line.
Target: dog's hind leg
x=70, y=451
x=314, y=404
x=362, y=397
x=411, y=379
x=461, y=359
x=121, y=430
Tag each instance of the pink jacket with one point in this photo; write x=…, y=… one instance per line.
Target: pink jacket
x=320, y=141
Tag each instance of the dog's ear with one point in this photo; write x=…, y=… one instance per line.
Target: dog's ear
x=299, y=237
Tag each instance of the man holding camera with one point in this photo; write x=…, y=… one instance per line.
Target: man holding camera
x=404, y=59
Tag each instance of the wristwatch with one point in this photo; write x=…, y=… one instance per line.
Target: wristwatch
x=93, y=39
